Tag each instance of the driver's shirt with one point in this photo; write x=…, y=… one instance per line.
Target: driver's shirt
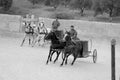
x=73, y=33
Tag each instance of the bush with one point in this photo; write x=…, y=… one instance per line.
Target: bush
x=63, y=16
x=47, y=2
x=6, y=4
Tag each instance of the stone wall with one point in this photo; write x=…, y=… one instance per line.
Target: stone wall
x=12, y=23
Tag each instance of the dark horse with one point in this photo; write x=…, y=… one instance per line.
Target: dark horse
x=74, y=48
x=56, y=46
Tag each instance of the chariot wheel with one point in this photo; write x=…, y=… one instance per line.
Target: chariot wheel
x=94, y=55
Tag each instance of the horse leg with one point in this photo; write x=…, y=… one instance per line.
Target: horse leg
x=33, y=43
x=75, y=57
x=33, y=39
x=23, y=40
x=42, y=39
x=29, y=41
x=66, y=59
x=48, y=56
x=39, y=40
x=58, y=53
x=51, y=55
x=63, y=60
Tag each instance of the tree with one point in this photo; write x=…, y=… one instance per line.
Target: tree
x=65, y=2
x=81, y=5
x=55, y=3
x=97, y=7
x=35, y=1
x=48, y=2
x=6, y=4
x=111, y=7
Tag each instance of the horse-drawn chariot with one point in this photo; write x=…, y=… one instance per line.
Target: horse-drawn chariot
x=79, y=49
x=86, y=52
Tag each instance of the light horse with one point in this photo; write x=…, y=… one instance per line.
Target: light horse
x=29, y=31
x=42, y=31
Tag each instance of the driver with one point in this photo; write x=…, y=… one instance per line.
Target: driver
x=73, y=33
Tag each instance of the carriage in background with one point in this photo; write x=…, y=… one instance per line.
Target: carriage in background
x=35, y=23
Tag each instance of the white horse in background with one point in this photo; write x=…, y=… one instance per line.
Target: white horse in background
x=28, y=33
x=42, y=32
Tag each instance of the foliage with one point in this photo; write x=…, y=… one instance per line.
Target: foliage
x=6, y=4
x=48, y=2
x=111, y=7
x=65, y=2
x=63, y=16
x=81, y=5
x=35, y=1
x=97, y=7
x=54, y=3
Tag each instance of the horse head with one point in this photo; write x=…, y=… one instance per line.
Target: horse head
x=67, y=36
x=51, y=36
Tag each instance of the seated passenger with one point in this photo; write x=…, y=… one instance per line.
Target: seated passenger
x=73, y=33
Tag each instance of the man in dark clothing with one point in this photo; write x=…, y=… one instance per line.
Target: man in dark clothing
x=73, y=33
x=55, y=25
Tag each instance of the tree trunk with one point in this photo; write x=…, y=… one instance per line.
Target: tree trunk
x=55, y=7
x=33, y=3
x=81, y=11
x=111, y=12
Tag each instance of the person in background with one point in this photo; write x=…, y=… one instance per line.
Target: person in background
x=55, y=24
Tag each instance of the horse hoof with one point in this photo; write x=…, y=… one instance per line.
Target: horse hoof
x=54, y=62
x=72, y=64
x=46, y=63
x=61, y=65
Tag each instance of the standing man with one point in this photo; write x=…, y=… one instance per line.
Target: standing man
x=55, y=24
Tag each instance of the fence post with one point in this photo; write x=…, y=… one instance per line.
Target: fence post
x=113, y=43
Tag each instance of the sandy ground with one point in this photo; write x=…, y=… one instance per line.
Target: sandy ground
x=28, y=63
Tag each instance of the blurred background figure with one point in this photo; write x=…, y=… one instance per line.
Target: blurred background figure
x=55, y=24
